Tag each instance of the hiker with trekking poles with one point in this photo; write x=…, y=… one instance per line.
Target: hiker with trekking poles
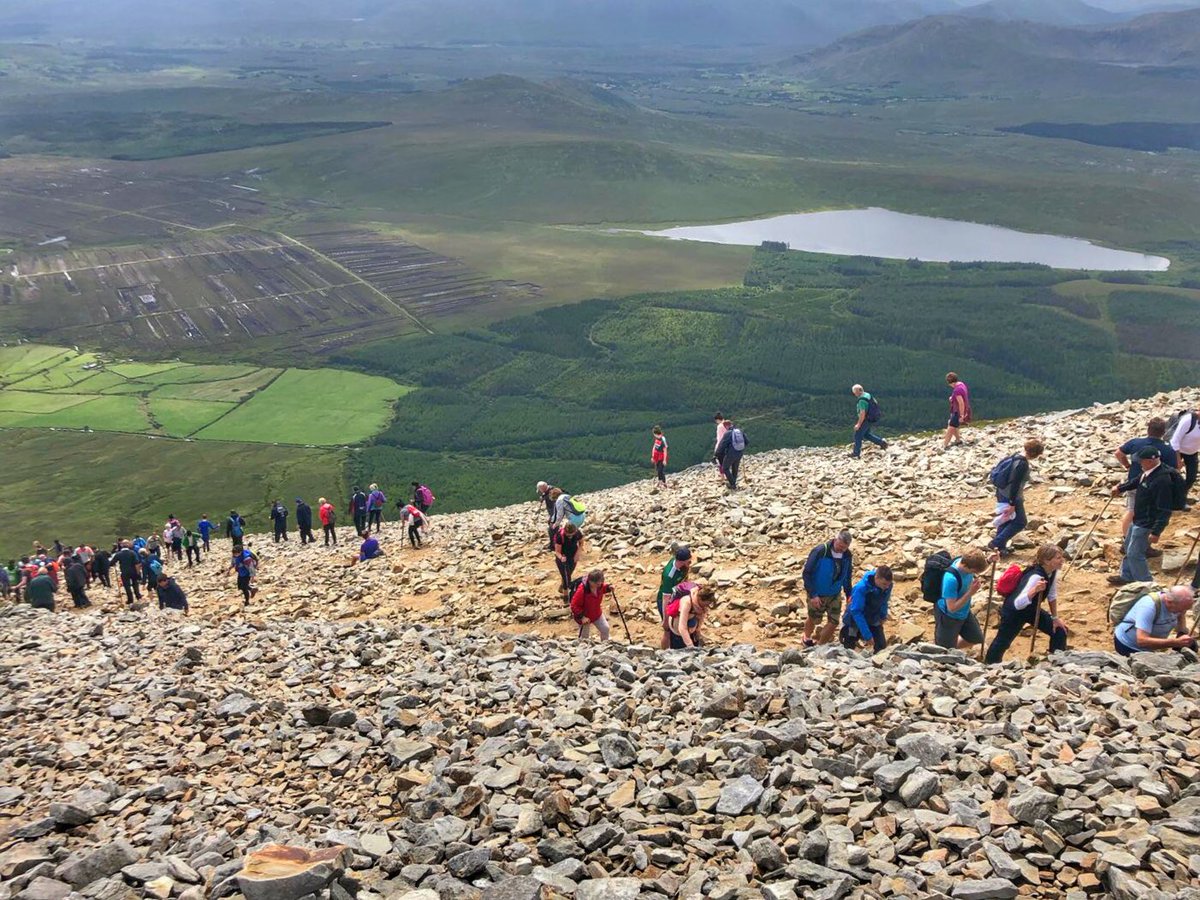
x=1158, y=490
x=587, y=606
x=1022, y=592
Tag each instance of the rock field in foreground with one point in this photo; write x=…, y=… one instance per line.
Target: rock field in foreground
x=377, y=735
x=148, y=757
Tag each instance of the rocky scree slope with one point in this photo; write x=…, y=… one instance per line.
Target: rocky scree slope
x=149, y=757
x=488, y=567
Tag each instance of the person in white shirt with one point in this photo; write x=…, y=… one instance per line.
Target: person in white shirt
x=1185, y=441
x=1038, y=582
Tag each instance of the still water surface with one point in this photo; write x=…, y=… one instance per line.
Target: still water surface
x=893, y=235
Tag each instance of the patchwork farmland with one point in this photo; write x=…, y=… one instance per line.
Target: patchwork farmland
x=312, y=293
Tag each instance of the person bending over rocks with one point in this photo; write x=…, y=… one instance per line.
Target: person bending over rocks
x=416, y=521
x=868, y=610
x=40, y=589
x=689, y=607
x=827, y=578
x=1150, y=621
x=170, y=595
x=1021, y=606
x=674, y=573
x=587, y=605
x=954, y=623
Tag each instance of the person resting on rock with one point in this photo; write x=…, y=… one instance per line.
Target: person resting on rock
x=686, y=612
x=369, y=550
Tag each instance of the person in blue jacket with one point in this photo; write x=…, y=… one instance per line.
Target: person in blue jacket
x=868, y=609
x=827, y=578
x=205, y=527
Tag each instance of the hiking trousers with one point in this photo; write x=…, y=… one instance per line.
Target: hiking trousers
x=1137, y=544
x=330, y=532
x=306, y=535
x=102, y=577
x=280, y=531
x=730, y=465
x=660, y=469
x=1190, y=462
x=585, y=629
x=360, y=521
x=865, y=434
x=193, y=552
x=1010, y=627
x=414, y=535
x=79, y=597
x=132, y=587
x=1012, y=527
x=375, y=517
x=851, y=638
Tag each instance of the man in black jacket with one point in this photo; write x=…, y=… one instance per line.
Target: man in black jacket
x=1152, y=505
x=279, y=517
x=171, y=595
x=304, y=522
x=76, y=579
x=129, y=567
x=1010, y=495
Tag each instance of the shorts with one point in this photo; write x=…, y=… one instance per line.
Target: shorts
x=954, y=420
x=830, y=609
x=1130, y=500
x=948, y=630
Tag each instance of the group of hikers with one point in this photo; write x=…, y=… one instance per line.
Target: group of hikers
x=140, y=561
x=1144, y=615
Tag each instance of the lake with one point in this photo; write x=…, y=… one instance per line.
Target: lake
x=893, y=235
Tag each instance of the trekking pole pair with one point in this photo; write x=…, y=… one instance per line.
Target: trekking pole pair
x=1037, y=613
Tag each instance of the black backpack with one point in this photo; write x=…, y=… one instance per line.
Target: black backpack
x=1179, y=489
x=1176, y=420
x=936, y=567
x=874, y=413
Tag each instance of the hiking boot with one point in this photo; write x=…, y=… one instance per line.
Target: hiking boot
x=855, y=456
x=1117, y=580
x=883, y=446
x=1153, y=553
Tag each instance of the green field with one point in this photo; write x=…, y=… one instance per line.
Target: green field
x=49, y=387
x=96, y=487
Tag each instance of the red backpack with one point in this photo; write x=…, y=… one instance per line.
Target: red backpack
x=1009, y=581
x=681, y=590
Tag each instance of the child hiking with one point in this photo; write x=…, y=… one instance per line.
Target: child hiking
x=659, y=454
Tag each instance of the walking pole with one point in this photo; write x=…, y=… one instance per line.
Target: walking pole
x=1179, y=580
x=621, y=612
x=987, y=616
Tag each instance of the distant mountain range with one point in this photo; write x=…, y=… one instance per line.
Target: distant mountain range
x=969, y=51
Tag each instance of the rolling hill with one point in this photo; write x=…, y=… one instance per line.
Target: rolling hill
x=965, y=52
x=1051, y=12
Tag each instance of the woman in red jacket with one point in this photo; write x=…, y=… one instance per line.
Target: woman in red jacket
x=587, y=605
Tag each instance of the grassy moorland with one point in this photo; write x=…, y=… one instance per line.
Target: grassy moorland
x=570, y=389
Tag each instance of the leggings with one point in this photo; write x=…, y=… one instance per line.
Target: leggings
x=566, y=568
x=330, y=532
x=585, y=629
x=414, y=534
x=660, y=468
x=375, y=517
x=244, y=587
x=1010, y=627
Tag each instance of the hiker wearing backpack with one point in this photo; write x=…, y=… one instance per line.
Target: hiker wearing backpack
x=416, y=522
x=868, y=413
x=722, y=427
x=658, y=454
x=1009, y=477
x=954, y=623
x=1023, y=591
x=674, y=573
x=685, y=614
x=827, y=578
x=235, y=527
x=358, y=509
x=868, y=610
x=587, y=605
x=375, y=501
x=1148, y=623
x=547, y=496
x=1126, y=454
x=328, y=520
x=567, y=510
x=960, y=410
x=1183, y=433
x=279, y=515
x=729, y=452
x=245, y=564
x=1154, y=492
x=568, y=541
x=422, y=497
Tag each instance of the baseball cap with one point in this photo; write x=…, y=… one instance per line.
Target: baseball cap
x=1149, y=453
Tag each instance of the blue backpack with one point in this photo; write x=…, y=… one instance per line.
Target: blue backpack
x=1002, y=471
